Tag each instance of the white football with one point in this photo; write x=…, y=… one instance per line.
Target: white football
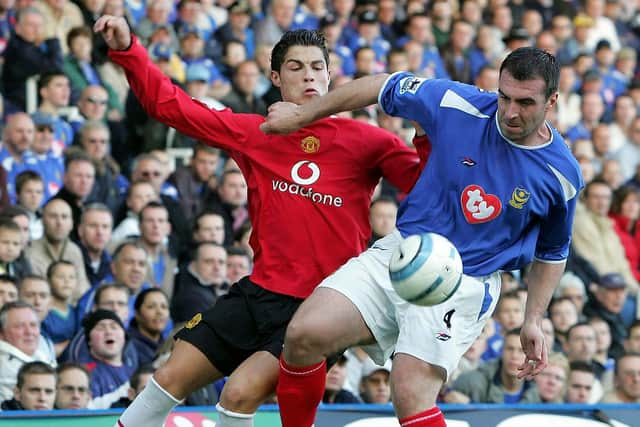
x=425, y=269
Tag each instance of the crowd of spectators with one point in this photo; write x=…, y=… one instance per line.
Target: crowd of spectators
x=109, y=243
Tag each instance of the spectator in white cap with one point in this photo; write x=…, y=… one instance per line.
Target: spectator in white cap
x=374, y=384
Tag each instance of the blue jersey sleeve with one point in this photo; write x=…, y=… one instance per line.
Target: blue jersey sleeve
x=555, y=233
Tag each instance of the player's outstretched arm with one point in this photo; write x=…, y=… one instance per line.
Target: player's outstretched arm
x=541, y=282
x=115, y=31
x=285, y=117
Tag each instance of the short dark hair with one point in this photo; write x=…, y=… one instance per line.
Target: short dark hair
x=9, y=224
x=200, y=245
x=55, y=264
x=624, y=355
x=134, y=381
x=46, y=78
x=297, y=38
x=78, y=32
x=581, y=366
x=26, y=176
x=31, y=368
x=227, y=173
x=152, y=205
x=7, y=278
x=201, y=146
x=76, y=155
x=595, y=181
x=67, y=366
x=143, y=295
x=196, y=220
x=527, y=63
x=94, y=207
x=578, y=325
x=513, y=295
x=514, y=331
x=134, y=243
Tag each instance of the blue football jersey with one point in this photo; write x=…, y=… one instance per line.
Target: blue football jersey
x=501, y=204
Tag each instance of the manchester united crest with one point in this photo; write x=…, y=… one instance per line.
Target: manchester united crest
x=194, y=321
x=310, y=144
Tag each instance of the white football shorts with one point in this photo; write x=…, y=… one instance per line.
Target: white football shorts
x=439, y=334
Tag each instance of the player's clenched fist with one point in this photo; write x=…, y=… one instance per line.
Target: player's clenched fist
x=115, y=31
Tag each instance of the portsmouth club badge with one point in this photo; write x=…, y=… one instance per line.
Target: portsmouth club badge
x=519, y=197
x=310, y=144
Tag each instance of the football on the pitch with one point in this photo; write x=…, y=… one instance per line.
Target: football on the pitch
x=425, y=269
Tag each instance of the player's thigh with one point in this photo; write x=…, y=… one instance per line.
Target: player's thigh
x=251, y=383
x=187, y=369
x=441, y=334
x=415, y=384
x=326, y=322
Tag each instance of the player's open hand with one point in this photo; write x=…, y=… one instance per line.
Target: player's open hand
x=283, y=117
x=535, y=350
x=115, y=31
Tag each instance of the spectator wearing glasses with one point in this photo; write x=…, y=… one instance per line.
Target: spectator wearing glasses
x=552, y=382
x=73, y=390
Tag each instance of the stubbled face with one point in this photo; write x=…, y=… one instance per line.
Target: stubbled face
x=303, y=75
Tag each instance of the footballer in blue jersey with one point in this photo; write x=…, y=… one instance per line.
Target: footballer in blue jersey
x=499, y=182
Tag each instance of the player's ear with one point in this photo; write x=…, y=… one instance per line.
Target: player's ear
x=275, y=78
x=551, y=102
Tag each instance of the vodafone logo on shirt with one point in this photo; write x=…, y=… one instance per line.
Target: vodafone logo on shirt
x=305, y=173
x=479, y=206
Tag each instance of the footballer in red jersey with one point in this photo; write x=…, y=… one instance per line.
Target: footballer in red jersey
x=308, y=196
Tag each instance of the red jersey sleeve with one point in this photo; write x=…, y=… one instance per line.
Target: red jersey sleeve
x=169, y=104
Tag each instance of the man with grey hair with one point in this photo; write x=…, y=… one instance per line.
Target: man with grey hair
x=27, y=55
x=20, y=343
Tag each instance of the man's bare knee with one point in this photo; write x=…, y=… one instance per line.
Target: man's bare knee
x=237, y=399
x=300, y=341
x=170, y=380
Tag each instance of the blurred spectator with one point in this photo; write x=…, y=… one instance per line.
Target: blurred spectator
x=109, y=184
x=496, y=381
x=138, y=382
x=54, y=91
x=569, y=101
x=382, y=217
x=35, y=291
x=278, y=19
x=149, y=168
x=105, y=335
x=21, y=217
x=374, y=383
x=50, y=165
x=625, y=212
x=419, y=30
x=591, y=111
x=632, y=342
x=594, y=235
x=462, y=63
x=572, y=287
x=603, y=27
x=94, y=233
x=92, y=105
x=197, y=85
x=192, y=42
x=15, y=154
x=509, y=311
x=208, y=226
x=602, y=362
x=334, y=391
x=546, y=42
x=191, y=181
x=10, y=249
x=237, y=27
x=56, y=245
x=149, y=321
x=200, y=283
x=8, y=289
x=82, y=71
x=611, y=173
x=239, y=264
x=601, y=138
x=580, y=383
x=61, y=322
x=20, y=343
x=608, y=303
x=230, y=200
x=35, y=388
x=154, y=238
x=139, y=195
x=60, y=16
x=552, y=381
x=73, y=390
x=627, y=380
x=158, y=12
x=629, y=153
x=242, y=96
x=79, y=178
x=562, y=30
x=28, y=53
x=516, y=38
x=487, y=78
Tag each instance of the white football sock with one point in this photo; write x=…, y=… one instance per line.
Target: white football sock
x=150, y=408
x=227, y=418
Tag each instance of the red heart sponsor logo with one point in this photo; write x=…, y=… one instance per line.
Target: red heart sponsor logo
x=479, y=206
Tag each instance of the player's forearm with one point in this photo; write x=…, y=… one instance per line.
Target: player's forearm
x=350, y=96
x=541, y=282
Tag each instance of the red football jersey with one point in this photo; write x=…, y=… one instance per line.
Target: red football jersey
x=308, y=192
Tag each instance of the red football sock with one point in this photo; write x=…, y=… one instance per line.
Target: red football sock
x=300, y=390
x=430, y=418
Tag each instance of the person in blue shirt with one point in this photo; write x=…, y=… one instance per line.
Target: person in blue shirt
x=500, y=183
